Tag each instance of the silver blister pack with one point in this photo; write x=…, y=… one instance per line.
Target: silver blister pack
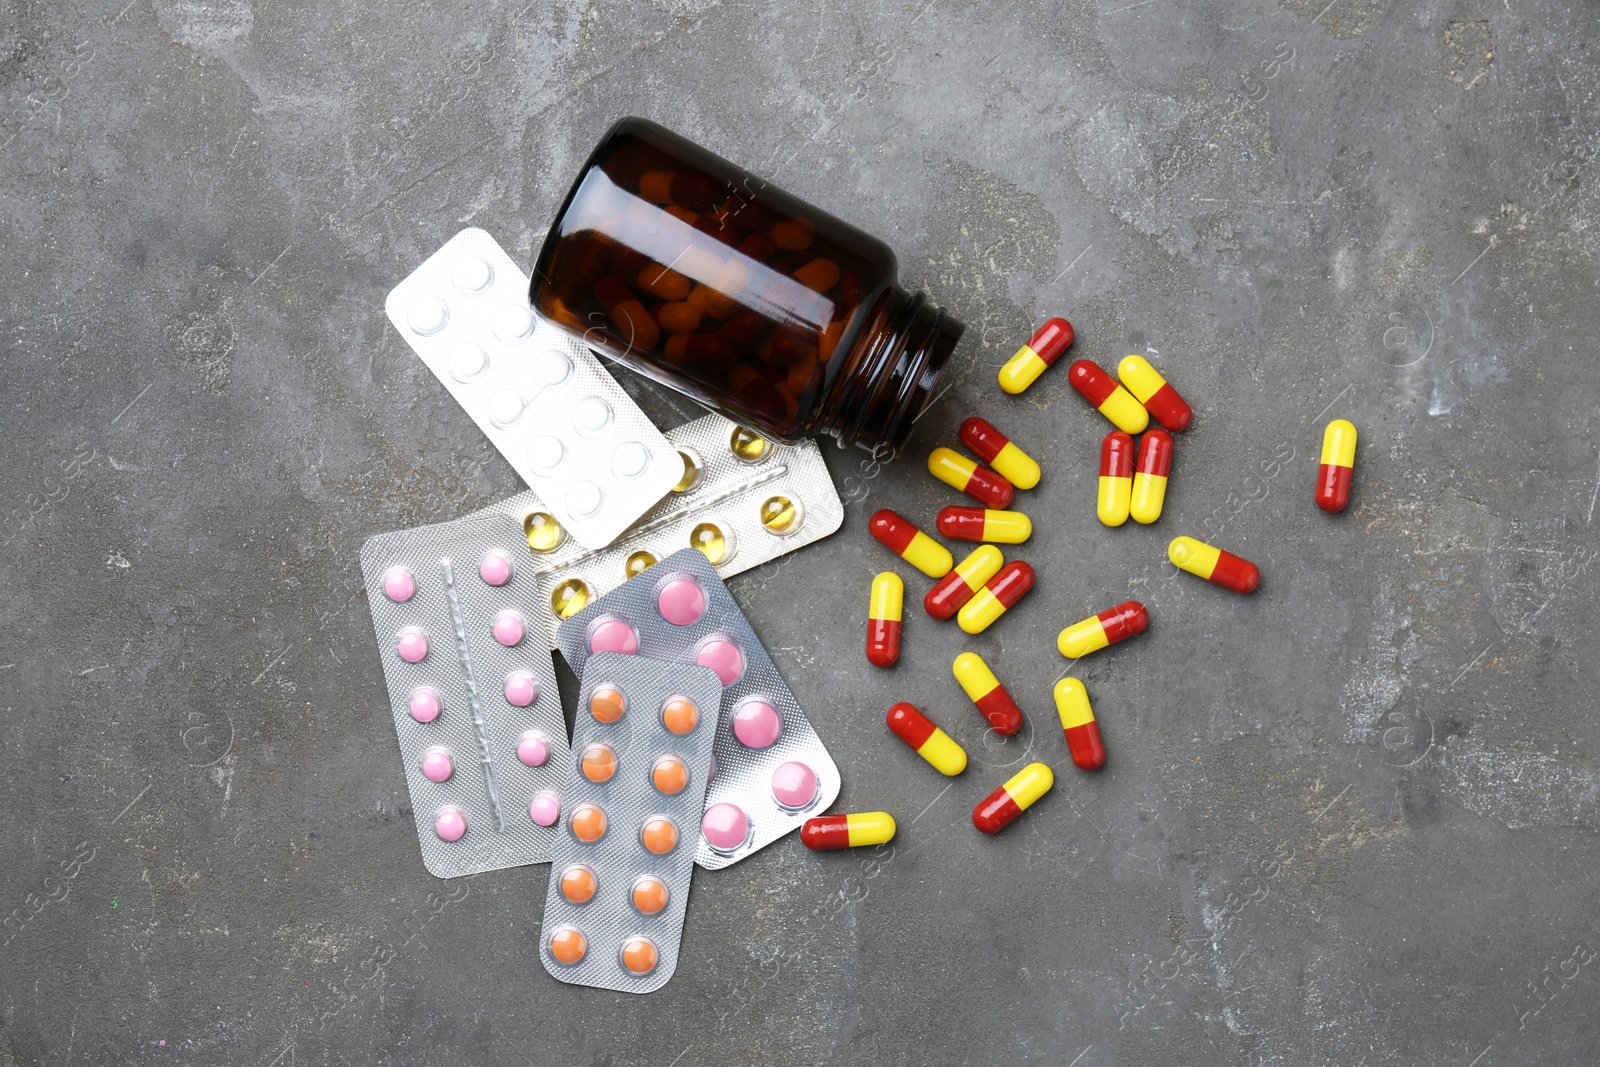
x=545, y=401
x=741, y=499
x=772, y=771
x=473, y=691
x=620, y=869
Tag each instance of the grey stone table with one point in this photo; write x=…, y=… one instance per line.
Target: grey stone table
x=1349, y=820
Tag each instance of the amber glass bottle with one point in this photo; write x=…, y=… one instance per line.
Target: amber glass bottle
x=714, y=282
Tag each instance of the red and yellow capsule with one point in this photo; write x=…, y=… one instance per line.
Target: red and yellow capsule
x=900, y=535
x=985, y=690
x=1077, y=722
x=996, y=597
x=1107, y=628
x=1214, y=565
x=1338, y=465
x=962, y=583
x=856, y=830
x=1042, y=349
x=1150, y=476
x=1116, y=478
x=926, y=739
x=984, y=524
x=883, y=619
x=1021, y=791
x=1107, y=397
x=1157, y=395
x=980, y=483
x=1000, y=452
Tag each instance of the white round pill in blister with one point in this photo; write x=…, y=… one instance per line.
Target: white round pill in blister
x=630, y=460
x=591, y=415
x=505, y=407
x=472, y=275
x=426, y=315
x=584, y=499
x=546, y=452
x=513, y=324
x=552, y=366
x=467, y=361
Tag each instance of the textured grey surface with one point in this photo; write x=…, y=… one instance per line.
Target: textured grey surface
x=1351, y=820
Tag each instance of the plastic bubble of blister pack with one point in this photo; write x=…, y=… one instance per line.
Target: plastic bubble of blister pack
x=772, y=770
x=542, y=398
x=620, y=868
x=473, y=691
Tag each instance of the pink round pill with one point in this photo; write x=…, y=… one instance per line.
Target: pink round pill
x=437, y=766
x=794, y=785
x=425, y=705
x=532, y=749
x=413, y=644
x=681, y=601
x=398, y=584
x=756, y=724
x=724, y=657
x=726, y=826
x=508, y=628
x=521, y=689
x=545, y=809
x=495, y=567
x=450, y=823
x=613, y=635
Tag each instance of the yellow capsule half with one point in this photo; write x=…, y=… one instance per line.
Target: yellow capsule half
x=1115, y=500
x=1149, y=493
x=1082, y=638
x=974, y=675
x=1339, y=444
x=870, y=828
x=1029, y=784
x=1196, y=557
x=1127, y=413
x=1072, y=703
x=981, y=612
x=888, y=597
x=1016, y=466
x=1021, y=370
x=942, y=751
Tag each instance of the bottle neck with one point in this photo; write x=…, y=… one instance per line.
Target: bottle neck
x=891, y=374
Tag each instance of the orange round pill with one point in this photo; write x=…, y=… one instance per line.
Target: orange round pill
x=679, y=715
x=577, y=884
x=649, y=895
x=567, y=945
x=588, y=823
x=639, y=955
x=599, y=763
x=660, y=835
x=607, y=704
x=669, y=775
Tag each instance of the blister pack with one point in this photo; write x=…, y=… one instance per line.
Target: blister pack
x=473, y=691
x=545, y=401
x=620, y=869
x=772, y=770
x=741, y=499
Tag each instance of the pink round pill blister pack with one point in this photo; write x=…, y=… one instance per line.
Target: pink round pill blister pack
x=620, y=868
x=771, y=770
x=473, y=691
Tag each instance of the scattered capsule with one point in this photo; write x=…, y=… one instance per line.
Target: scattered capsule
x=959, y=586
x=1116, y=478
x=1001, y=808
x=1214, y=565
x=984, y=524
x=1107, y=397
x=847, y=831
x=1150, y=476
x=1077, y=722
x=998, y=595
x=1338, y=465
x=1107, y=628
x=985, y=690
x=926, y=739
x=980, y=483
x=1000, y=452
x=1157, y=395
x=883, y=619
x=1042, y=349
x=900, y=535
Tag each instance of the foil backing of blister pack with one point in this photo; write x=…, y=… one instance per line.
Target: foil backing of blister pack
x=620, y=869
x=543, y=399
x=491, y=708
x=771, y=767
x=741, y=497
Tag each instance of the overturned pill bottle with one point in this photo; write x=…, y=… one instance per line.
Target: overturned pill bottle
x=714, y=282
